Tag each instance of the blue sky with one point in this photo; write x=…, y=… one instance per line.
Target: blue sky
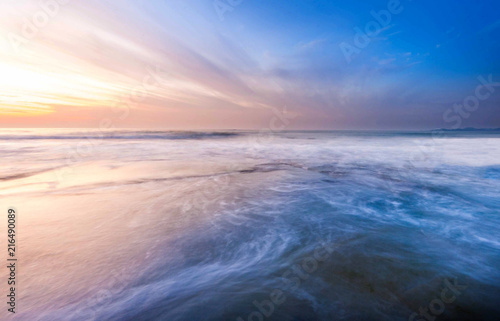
x=233, y=64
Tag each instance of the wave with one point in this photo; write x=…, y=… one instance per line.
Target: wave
x=139, y=135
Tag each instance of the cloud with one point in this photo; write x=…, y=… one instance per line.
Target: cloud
x=94, y=55
x=311, y=44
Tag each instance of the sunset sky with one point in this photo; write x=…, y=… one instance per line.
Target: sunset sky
x=193, y=64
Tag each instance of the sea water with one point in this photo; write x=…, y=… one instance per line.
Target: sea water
x=230, y=225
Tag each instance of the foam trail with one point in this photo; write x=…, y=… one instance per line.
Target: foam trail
x=155, y=225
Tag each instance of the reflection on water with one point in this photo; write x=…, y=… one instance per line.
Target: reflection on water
x=137, y=225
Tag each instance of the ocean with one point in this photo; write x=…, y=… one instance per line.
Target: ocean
x=234, y=225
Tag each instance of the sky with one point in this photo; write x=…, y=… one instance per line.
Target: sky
x=240, y=64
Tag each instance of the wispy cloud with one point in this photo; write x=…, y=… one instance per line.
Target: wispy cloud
x=93, y=54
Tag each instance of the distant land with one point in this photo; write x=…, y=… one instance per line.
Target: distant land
x=470, y=129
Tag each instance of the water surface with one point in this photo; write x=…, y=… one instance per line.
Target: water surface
x=156, y=225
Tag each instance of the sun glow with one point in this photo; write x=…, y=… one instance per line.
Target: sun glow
x=28, y=90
